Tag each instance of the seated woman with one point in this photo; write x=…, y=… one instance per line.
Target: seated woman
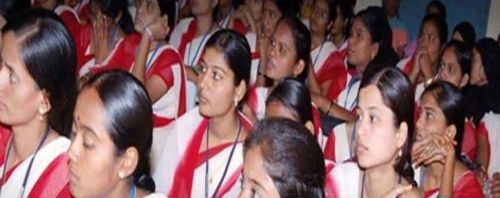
x=384, y=135
x=37, y=94
x=485, y=103
x=159, y=66
x=202, y=156
x=437, y=148
x=282, y=159
x=455, y=68
x=111, y=138
x=110, y=42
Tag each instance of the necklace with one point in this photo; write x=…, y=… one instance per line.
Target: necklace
x=26, y=175
x=226, y=166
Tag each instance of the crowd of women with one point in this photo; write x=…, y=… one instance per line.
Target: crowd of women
x=244, y=98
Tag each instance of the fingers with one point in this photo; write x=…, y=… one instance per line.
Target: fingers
x=398, y=190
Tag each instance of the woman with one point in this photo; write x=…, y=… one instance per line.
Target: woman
x=399, y=33
x=384, y=135
x=369, y=45
x=485, y=103
x=465, y=32
x=455, y=68
x=288, y=56
x=109, y=152
x=189, y=37
x=321, y=22
x=110, y=41
x=422, y=65
x=159, y=66
x=282, y=160
x=440, y=129
x=225, y=16
x=37, y=92
x=201, y=157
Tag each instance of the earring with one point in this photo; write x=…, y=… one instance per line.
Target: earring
x=42, y=116
x=400, y=152
x=373, y=57
x=235, y=102
x=121, y=175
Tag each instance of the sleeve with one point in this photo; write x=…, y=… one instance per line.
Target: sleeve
x=163, y=66
x=468, y=187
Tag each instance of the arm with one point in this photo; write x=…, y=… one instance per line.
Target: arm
x=332, y=109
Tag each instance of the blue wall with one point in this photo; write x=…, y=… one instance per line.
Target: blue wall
x=474, y=11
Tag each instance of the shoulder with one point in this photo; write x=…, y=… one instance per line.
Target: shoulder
x=415, y=192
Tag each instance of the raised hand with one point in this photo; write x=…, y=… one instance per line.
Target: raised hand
x=100, y=41
x=433, y=148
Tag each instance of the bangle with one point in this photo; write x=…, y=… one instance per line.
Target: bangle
x=329, y=108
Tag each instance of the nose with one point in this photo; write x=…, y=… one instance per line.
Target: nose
x=4, y=77
x=74, y=151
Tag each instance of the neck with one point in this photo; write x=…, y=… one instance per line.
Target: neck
x=225, y=127
x=435, y=171
x=203, y=23
x=25, y=140
x=338, y=39
x=380, y=180
x=316, y=40
x=154, y=44
x=360, y=70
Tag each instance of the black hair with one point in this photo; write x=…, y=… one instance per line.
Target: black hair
x=301, y=41
x=466, y=30
x=489, y=50
x=288, y=8
x=463, y=54
x=397, y=94
x=439, y=6
x=236, y=52
x=129, y=118
x=10, y=7
x=440, y=24
x=48, y=51
x=295, y=96
x=292, y=157
x=375, y=21
x=168, y=7
x=450, y=101
x=112, y=8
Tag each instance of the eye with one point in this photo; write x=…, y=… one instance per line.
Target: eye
x=216, y=76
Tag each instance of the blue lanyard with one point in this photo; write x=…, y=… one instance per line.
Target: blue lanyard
x=227, y=163
x=132, y=192
x=148, y=64
x=199, y=46
x=349, y=86
x=319, y=53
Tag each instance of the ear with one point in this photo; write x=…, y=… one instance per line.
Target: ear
x=298, y=68
x=451, y=131
x=164, y=19
x=45, y=106
x=402, y=134
x=310, y=126
x=241, y=90
x=128, y=162
x=374, y=50
x=464, y=80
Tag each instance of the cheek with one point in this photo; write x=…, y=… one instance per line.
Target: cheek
x=221, y=99
x=20, y=106
x=97, y=171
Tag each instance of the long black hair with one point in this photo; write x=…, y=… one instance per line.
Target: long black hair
x=463, y=54
x=48, y=51
x=168, y=7
x=130, y=118
x=440, y=24
x=397, y=95
x=468, y=33
x=292, y=157
x=295, y=96
x=450, y=101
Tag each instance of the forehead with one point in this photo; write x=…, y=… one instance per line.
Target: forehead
x=370, y=96
x=89, y=108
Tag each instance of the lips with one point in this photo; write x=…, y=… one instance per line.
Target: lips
x=202, y=99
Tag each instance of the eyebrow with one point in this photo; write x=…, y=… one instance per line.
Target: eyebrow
x=257, y=184
x=429, y=109
x=217, y=67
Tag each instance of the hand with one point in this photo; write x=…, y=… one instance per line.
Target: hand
x=398, y=190
x=158, y=29
x=433, y=148
x=100, y=37
x=495, y=185
x=424, y=63
x=255, y=8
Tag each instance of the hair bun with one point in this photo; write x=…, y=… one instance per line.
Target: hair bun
x=145, y=182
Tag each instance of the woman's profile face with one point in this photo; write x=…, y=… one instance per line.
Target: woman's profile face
x=20, y=97
x=94, y=162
